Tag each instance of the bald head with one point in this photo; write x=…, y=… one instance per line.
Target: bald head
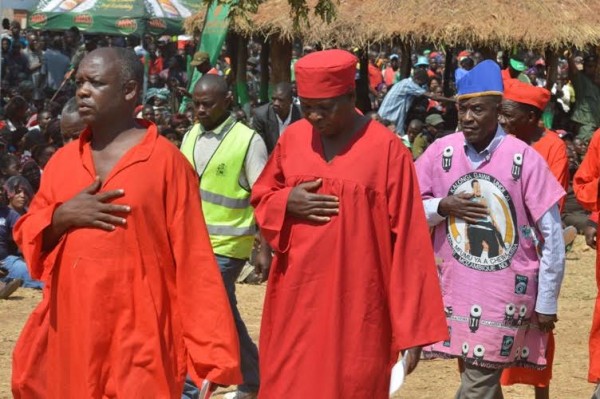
x=109, y=82
x=213, y=83
x=211, y=99
x=129, y=65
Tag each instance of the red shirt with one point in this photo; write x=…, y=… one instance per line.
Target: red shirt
x=129, y=312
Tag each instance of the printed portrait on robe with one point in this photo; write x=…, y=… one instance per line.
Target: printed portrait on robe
x=489, y=243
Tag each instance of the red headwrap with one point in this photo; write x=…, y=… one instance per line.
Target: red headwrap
x=524, y=93
x=325, y=74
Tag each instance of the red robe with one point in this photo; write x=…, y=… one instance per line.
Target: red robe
x=554, y=152
x=585, y=185
x=346, y=296
x=125, y=313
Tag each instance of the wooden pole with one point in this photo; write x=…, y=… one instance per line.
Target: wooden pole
x=449, y=67
x=265, y=52
x=551, y=67
x=363, y=101
x=281, y=60
x=405, y=61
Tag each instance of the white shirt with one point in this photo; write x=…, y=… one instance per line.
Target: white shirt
x=284, y=124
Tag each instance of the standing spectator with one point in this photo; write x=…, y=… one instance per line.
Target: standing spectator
x=398, y=100
x=56, y=64
x=16, y=64
x=15, y=34
x=391, y=74
x=586, y=112
x=35, y=57
x=270, y=120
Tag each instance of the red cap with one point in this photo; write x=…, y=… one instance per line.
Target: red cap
x=524, y=93
x=325, y=74
x=463, y=54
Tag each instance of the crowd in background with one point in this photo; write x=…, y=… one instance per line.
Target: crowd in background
x=38, y=113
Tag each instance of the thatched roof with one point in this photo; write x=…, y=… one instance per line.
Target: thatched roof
x=533, y=23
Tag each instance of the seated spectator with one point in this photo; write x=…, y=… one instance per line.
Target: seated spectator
x=18, y=193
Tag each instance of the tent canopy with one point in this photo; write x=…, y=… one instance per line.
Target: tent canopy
x=114, y=17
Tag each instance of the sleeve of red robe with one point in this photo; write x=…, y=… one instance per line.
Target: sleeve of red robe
x=269, y=198
x=28, y=230
x=586, y=179
x=209, y=331
x=414, y=294
x=559, y=166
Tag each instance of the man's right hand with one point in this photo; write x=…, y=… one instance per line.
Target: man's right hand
x=461, y=206
x=590, y=236
x=303, y=203
x=90, y=209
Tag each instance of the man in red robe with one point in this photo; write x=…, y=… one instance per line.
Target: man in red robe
x=585, y=185
x=354, y=281
x=522, y=109
x=133, y=297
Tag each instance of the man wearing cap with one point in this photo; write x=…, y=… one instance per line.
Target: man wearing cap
x=391, y=74
x=400, y=97
x=522, y=108
x=353, y=282
x=586, y=112
x=465, y=62
x=434, y=123
x=492, y=201
x=515, y=69
x=201, y=62
x=422, y=63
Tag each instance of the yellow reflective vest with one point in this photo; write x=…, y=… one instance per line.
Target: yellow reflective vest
x=225, y=203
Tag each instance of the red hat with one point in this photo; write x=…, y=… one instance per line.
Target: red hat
x=325, y=74
x=524, y=93
x=463, y=54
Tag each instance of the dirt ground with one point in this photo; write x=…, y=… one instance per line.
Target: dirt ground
x=432, y=379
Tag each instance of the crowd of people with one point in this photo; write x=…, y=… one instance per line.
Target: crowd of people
x=98, y=111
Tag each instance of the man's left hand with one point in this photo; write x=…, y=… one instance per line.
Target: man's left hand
x=262, y=263
x=546, y=321
x=413, y=355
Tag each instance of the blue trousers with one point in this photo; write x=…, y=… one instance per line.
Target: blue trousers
x=18, y=269
x=230, y=270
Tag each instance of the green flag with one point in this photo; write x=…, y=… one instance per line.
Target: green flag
x=212, y=39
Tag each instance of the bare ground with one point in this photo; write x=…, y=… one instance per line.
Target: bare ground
x=433, y=379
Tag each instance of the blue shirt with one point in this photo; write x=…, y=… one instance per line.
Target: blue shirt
x=397, y=102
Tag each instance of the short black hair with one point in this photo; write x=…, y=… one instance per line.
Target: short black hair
x=131, y=67
x=284, y=88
